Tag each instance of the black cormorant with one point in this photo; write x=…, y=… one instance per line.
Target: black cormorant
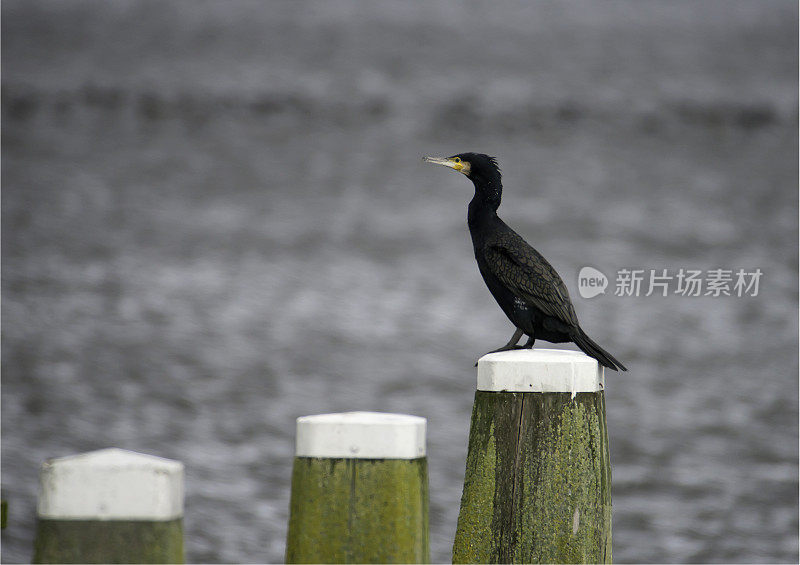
x=525, y=285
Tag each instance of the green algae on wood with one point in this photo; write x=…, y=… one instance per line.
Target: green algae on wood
x=537, y=487
x=108, y=541
x=346, y=510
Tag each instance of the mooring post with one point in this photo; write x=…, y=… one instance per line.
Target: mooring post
x=110, y=506
x=537, y=487
x=359, y=490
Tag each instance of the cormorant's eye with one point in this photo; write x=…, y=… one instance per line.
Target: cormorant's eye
x=456, y=159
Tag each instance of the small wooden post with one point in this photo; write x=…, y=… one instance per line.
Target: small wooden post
x=537, y=487
x=110, y=506
x=359, y=490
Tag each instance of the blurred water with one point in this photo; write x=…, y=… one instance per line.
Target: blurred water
x=215, y=219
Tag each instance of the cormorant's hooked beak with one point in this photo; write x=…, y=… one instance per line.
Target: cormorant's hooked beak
x=454, y=163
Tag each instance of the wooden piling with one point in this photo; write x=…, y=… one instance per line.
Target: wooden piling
x=537, y=487
x=110, y=506
x=359, y=490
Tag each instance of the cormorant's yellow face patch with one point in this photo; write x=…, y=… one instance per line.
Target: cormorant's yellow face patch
x=454, y=163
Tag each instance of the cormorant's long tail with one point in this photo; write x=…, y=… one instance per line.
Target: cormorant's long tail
x=591, y=349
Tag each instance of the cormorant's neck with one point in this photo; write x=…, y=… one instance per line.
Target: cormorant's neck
x=483, y=206
x=480, y=212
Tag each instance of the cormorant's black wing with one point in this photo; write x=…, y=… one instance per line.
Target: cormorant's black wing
x=529, y=276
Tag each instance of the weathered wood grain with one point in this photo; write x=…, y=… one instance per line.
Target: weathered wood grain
x=537, y=486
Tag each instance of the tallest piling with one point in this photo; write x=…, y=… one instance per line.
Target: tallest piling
x=537, y=487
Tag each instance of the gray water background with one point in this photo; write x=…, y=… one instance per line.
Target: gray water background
x=215, y=220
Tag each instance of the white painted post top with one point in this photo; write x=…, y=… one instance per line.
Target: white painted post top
x=361, y=435
x=539, y=370
x=111, y=484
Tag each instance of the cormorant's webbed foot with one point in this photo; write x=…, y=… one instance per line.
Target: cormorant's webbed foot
x=506, y=348
x=512, y=344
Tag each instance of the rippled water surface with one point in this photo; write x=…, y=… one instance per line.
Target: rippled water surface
x=215, y=220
